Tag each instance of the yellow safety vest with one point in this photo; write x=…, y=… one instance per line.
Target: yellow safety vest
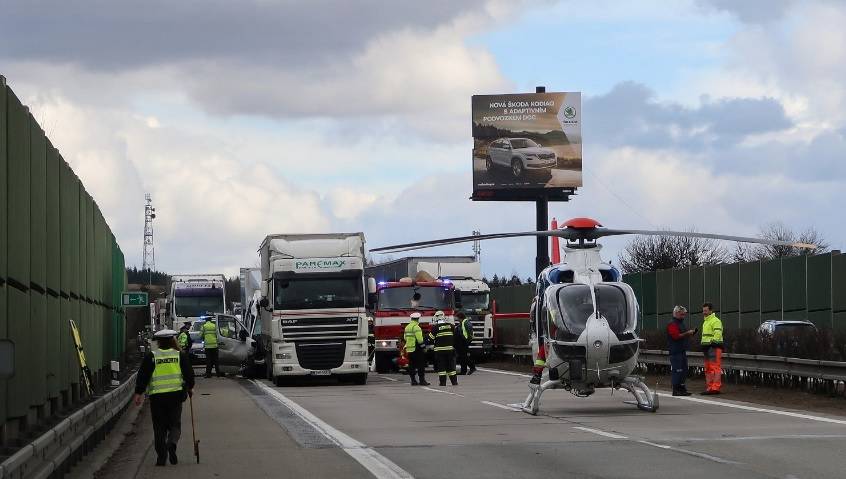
x=183, y=339
x=167, y=375
x=712, y=331
x=413, y=336
x=210, y=335
x=465, y=331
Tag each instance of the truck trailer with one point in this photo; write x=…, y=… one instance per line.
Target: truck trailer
x=313, y=307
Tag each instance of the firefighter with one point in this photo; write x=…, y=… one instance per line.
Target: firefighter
x=712, y=348
x=210, y=345
x=415, y=346
x=167, y=377
x=463, y=340
x=442, y=334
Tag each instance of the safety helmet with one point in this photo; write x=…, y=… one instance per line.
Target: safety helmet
x=164, y=333
x=439, y=316
x=415, y=316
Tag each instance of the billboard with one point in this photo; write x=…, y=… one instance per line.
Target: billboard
x=526, y=145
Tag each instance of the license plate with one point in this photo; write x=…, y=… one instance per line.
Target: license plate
x=321, y=372
x=201, y=356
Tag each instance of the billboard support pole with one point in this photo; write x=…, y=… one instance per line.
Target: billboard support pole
x=542, y=222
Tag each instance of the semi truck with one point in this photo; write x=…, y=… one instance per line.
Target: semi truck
x=471, y=296
x=193, y=296
x=313, y=306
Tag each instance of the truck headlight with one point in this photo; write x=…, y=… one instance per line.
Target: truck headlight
x=358, y=353
x=384, y=344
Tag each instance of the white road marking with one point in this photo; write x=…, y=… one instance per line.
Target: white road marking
x=389, y=378
x=380, y=466
x=442, y=391
x=758, y=409
x=600, y=433
x=765, y=438
x=689, y=453
x=501, y=406
x=499, y=371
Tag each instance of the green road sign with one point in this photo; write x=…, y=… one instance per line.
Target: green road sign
x=135, y=298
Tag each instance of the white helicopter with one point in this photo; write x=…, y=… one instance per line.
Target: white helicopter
x=583, y=314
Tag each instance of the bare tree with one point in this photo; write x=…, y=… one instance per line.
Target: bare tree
x=651, y=253
x=781, y=232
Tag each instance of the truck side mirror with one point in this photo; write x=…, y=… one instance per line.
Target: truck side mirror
x=264, y=289
x=371, y=285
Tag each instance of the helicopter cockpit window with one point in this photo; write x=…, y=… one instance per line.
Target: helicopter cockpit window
x=576, y=306
x=611, y=303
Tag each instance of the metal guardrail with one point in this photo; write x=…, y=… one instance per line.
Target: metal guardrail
x=69, y=439
x=797, y=367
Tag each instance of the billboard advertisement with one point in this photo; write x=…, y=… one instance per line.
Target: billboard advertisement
x=526, y=142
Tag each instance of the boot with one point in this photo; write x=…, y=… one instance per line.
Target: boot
x=422, y=378
x=442, y=380
x=161, y=460
x=472, y=370
x=454, y=380
x=536, y=379
x=171, y=452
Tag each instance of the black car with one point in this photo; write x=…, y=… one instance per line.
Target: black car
x=789, y=338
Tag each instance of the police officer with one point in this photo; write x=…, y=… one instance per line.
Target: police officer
x=442, y=334
x=209, y=331
x=184, y=338
x=463, y=340
x=415, y=347
x=167, y=377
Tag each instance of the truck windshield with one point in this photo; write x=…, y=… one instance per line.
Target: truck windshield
x=473, y=301
x=318, y=292
x=194, y=306
x=431, y=297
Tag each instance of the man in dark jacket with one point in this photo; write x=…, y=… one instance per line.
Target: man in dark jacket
x=167, y=378
x=677, y=345
x=463, y=340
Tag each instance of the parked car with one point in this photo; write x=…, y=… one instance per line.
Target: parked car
x=789, y=338
x=234, y=345
x=520, y=155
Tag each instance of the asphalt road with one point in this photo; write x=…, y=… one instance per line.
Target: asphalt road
x=389, y=429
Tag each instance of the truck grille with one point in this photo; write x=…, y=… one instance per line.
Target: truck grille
x=320, y=355
x=309, y=329
x=478, y=331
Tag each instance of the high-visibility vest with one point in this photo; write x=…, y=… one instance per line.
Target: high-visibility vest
x=182, y=339
x=210, y=335
x=413, y=336
x=712, y=331
x=442, y=334
x=465, y=331
x=167, y=375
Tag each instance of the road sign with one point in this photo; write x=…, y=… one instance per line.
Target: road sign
x=134, y=299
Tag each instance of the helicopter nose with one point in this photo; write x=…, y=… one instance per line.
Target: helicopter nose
x=598, y=334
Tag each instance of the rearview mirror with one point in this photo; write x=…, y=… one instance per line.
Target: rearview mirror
x=371, y=285
x=264, y=288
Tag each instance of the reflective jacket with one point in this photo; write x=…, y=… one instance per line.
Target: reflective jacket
x=183, y=339
x=442, y=335
x=167, y=375
x=712, y=331
x=413, y=336
x=210, y=335
x=466, y=329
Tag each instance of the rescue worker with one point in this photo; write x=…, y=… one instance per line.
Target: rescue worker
x=540, y=359
x=712, y=349
x=463, y=340
x=443, y=336
x=167, y=377
x=209, y=331
x=184, y=338
x=415, y=347
x=678, y=343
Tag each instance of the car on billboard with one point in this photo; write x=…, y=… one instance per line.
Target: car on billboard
x=520, y=155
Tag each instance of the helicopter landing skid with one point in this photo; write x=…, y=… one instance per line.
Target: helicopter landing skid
x=645, y=400
x=532, y=402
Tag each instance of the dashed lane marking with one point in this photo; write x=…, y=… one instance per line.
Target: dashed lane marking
x=380, y=466
x=442, y=391
x=758, y=409
x=601, y=433
x=501, y=406
x=509, y=373
x=689, y=452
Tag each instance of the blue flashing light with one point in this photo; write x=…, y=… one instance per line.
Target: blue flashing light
x=447, y=281
x=382, y=283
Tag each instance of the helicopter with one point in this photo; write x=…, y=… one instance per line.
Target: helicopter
x=583, y=314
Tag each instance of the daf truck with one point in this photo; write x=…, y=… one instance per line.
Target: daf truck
x=464, y=273
x=314, y=306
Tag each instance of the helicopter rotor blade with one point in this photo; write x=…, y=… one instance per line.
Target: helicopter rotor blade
x=467, y=239
x=600, y=232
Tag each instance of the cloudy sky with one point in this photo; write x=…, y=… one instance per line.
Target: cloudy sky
x=270, y=116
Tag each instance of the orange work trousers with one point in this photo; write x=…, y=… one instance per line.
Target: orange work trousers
x=714, y=369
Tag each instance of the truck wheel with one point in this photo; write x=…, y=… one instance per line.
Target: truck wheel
x=280, y=381
x=359, y=379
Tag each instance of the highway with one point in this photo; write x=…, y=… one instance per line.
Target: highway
x=388, y=429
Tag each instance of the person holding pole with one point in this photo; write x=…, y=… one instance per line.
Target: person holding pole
x=168, y=379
